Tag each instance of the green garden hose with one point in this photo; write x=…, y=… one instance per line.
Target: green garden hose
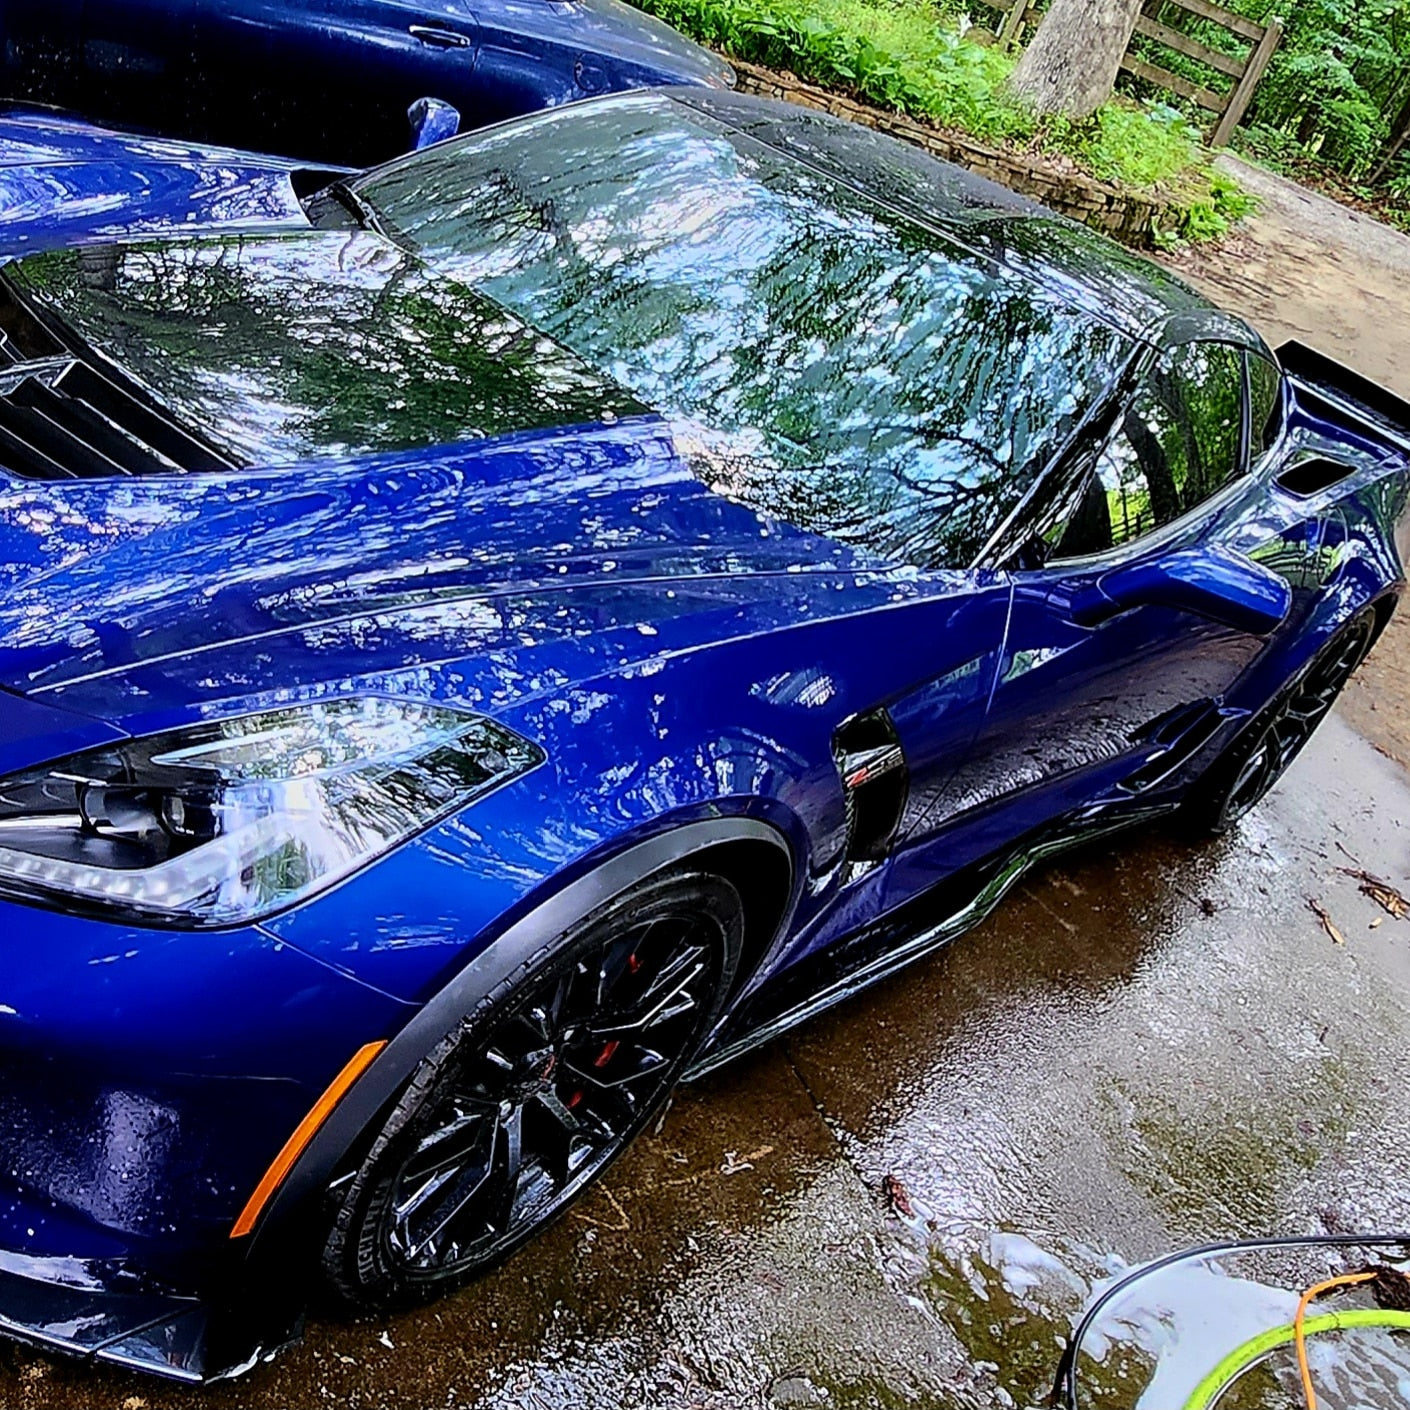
x=1241, y=1358
x=1065, y=1391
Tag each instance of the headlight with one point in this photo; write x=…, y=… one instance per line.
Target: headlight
x=221, y=824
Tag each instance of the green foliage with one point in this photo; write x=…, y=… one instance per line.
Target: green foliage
x=1135, y=146
x=1315, y=97
x=1337, y=85
x=898, y=55
x=909, y=55
x=1339, y=78
x=1337, y=88
x=1210, y=213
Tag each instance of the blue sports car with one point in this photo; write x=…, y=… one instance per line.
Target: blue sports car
x=485, y=639
x=331, y=80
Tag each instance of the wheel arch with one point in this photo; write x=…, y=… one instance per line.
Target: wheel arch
x=754, y=856
x=763, y=874
x=1385, y=605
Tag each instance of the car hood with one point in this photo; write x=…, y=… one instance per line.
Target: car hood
x=373, y=455
x=121, y=598
x=63, y=181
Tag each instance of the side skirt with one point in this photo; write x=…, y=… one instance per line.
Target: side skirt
x=907, y=934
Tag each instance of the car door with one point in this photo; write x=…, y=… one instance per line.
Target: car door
x=1122, y=645
x=330, y=80
x=138, y=64
x=42, y=50
x=532, y=56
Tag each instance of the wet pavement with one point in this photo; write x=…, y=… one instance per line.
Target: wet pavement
x=905, y=1202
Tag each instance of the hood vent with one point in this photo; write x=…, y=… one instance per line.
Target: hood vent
x=64, y=416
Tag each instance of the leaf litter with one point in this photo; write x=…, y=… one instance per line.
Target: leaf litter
x=1380, y=891
x=1328, y=924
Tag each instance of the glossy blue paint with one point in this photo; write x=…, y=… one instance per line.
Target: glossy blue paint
x=681, y=657
x=1209, y=582
x=332, y=80
x=67, y=181
x=432, y=120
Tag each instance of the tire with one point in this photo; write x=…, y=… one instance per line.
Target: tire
x=535, y=1093
x=1247, y=770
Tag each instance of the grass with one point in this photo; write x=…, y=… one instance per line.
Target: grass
x=909, y=56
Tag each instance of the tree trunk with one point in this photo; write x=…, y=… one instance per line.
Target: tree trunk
x=1071, y=64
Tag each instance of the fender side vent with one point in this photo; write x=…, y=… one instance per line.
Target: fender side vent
x=1175, y=737
x=875, y=781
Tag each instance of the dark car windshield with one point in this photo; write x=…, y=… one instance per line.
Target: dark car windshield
x=826, y=360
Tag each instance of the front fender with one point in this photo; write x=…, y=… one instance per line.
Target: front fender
x=279, y=1238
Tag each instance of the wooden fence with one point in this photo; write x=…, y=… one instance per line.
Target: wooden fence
x=1244, y=73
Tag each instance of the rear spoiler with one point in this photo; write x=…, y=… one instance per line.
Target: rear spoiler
x=1347, y=391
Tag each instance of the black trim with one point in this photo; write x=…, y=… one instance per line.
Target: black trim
x=65, y=412
x=164, y=1335
x=1346, y=390
x=915, y=928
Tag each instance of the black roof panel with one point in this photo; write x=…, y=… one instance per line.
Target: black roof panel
x=1089, y=269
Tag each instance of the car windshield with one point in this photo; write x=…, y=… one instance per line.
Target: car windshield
x=824, y=359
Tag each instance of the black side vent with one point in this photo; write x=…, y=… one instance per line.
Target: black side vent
x=63, y=415
x=1174, y=738
x=875, y=780
x=1311, y=476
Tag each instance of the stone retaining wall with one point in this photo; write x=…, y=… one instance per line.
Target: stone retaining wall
x=1130, y=217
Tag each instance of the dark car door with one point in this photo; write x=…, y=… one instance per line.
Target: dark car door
x=1122, y=646
x=42, y=50
x=329, y=80
x=138, y=64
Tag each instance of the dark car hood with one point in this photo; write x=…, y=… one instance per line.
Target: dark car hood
x=397, y=451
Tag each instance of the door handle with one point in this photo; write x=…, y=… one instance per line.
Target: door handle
x=439, y=38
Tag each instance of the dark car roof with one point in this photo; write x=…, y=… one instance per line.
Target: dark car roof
x=1091, y=270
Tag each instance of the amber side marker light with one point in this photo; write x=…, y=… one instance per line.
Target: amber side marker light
x=303, y=1134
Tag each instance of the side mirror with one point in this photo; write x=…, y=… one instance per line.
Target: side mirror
x=432, y=120
x=1211, y=582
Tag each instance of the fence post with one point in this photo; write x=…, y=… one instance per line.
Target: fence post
x=1013, y=23
x=1243, y=90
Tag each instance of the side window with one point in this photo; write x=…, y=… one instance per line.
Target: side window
x=1179, y=442
x=1265, y=403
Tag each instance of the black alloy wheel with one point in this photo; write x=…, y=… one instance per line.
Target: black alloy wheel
x=515, y=1113
x=1260, y=756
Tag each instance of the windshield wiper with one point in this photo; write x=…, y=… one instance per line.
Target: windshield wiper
x=339, y=207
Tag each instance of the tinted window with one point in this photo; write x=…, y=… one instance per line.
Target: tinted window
x=1178, y=443
x=825, y=359
x=1265, y=403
